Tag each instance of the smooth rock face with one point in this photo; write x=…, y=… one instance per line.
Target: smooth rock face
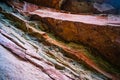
x=101, y=33
x=17, y=69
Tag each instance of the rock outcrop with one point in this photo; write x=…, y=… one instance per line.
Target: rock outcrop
x=24, y=56
x=27, y=53
x=97, y=32
x=50, y=59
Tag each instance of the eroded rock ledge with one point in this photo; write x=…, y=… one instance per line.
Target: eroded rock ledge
x=24, y=57
x=96, y=31
x=101, y=33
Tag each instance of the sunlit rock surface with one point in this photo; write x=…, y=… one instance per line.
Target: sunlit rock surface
x=33, y=54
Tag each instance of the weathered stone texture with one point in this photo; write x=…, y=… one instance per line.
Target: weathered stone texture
x=97, y=32
x=48, y=3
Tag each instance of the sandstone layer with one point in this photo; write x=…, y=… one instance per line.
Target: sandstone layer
x=31, y=46
x=100, y=33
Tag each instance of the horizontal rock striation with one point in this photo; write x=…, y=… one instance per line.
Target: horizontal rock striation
x=101, y=33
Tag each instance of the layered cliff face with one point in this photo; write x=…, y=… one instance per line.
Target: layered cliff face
x=98, y=32
x=25, y=37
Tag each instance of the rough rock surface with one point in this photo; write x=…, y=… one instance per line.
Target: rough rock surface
x=101, y=33
x=76, y=6
x=79, y=6
x=28, y=55
x=23, y=62
x=92, y=6
x=28, y=59
x=51, y=63
x=48, y=3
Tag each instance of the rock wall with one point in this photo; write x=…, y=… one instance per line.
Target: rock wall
x=48, y=3
x=98, y=32
x=46, y=56
x=79, y=6
x=27, y=53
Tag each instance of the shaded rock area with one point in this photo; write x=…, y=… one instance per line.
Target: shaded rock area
x=27, y=52
x=92, y=6
x=48, y=3
x=79, y=6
